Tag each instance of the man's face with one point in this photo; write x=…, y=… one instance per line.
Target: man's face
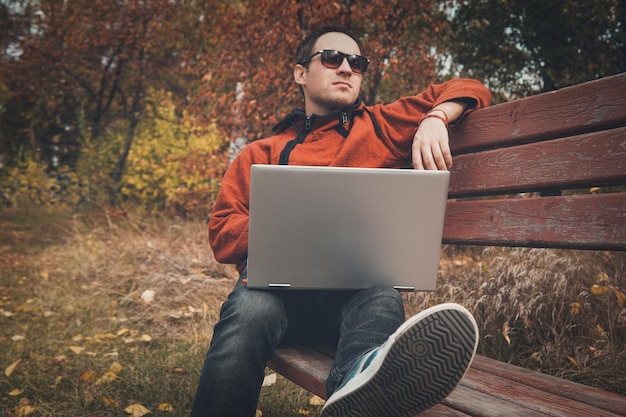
x=326, y=89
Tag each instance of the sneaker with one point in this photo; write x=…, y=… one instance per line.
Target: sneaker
x=416, y=368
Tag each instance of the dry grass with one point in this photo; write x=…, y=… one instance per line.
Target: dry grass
x=561, y=312
x=71, y=309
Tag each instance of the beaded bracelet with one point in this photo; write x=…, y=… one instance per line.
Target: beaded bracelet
x=443, y=116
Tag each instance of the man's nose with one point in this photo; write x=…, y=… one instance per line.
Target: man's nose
x=345, y=66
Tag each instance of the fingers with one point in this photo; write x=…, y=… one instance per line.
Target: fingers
x=431, y=149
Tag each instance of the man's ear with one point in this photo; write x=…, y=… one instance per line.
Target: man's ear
x=299, y=74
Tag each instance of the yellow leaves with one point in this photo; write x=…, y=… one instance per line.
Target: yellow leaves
x=131, y=337
x=505, y=332
x=88, y=376
x=110, y=402
x=599, y=289
x=122, y=331
x=11, y=368
x=24, y=408
x=91, y=377
x=77, y=349
x=165, y=407
x=116, y=368
x=174, y=161
x=574, y=308
x=572, y=360
x=101, y=336
x=111, y=375
x=107, y=378
x=317, y=401
x=136, y=410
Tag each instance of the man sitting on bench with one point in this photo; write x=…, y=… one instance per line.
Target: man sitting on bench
x=385, y=366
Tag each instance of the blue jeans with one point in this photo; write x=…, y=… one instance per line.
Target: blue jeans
x=254, y=322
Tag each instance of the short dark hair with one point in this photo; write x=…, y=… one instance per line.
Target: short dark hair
x=305, y=49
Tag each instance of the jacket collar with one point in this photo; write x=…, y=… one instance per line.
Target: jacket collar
x=298, y=118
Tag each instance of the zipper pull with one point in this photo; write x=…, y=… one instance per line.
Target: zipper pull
x=307, y=123
x=344, y=118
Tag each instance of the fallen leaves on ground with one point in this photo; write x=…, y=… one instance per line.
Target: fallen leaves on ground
x=9, y=369
x=165, y=407
x=136, y=410
x=24, y=408
x=269, y=380
x=315, y=400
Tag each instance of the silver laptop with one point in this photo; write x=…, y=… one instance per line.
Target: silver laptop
x=345, y=228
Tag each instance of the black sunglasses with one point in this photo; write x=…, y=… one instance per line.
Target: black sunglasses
x=333, y=59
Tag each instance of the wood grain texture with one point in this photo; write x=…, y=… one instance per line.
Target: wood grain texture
x=490, y=388
x=594, y=159
x=583, y=108
x=595, y=221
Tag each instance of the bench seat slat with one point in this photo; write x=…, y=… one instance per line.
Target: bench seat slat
x=480, y=404
x=601, y=399
x=304, y=366
x=594, y=221
x=490, y=388
x=593, y=159
x=441, y=410
x=530, y=397
x=583, y=108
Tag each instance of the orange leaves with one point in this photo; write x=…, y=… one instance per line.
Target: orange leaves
x=599, y=289
x=602, y=289
x=88, y=377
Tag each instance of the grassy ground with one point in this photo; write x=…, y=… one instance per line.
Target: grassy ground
x=110, y=315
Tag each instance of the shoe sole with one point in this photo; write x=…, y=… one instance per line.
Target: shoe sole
x=421, y=364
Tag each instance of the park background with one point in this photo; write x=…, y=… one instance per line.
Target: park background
x=118, y=120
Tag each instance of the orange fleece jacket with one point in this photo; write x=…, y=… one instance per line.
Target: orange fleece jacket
x=377, y=136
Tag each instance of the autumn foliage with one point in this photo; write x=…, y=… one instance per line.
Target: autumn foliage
x=399, y=39
x=85, y=82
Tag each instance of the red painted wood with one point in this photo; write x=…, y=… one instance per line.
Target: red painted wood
x=593, y=396
x=304, y=366
x=490, y=388
x=481, y=404
x=583, y=108
x=594, y=159
x=530, y=397
x=595, y=221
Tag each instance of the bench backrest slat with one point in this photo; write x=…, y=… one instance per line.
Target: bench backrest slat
x=593, y=159
x=578, y=221
x=555, y=145
x=583, y=108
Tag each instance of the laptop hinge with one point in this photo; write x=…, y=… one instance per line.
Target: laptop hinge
x=279, y=285
x=404, y=288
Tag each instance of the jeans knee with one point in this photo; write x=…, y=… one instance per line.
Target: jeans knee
x=374, y=305
x=253, y=315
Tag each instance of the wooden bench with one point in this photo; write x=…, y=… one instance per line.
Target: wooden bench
x=532, y=151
